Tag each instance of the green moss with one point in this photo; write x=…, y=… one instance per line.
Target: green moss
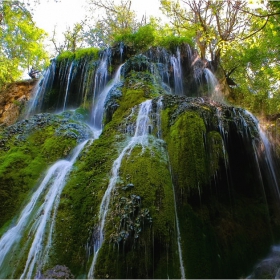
x=89, y=52
x=65, y=55
x=185, y=141
x=78, y=54
x=216, y=151
x=81, y=198
x=83, y=193
x=23, y=158
x=148, y=171
x=80, y=202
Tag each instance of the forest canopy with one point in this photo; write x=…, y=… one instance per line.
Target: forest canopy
x=242, y=43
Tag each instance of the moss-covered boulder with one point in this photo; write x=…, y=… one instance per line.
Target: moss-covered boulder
x=27, y=148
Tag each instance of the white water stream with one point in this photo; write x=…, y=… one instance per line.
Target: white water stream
x=177, y=72
x=41, y=87
x=69, y=79
x=140, y=137
x=213, y=86
x=98, y=108
x=37, y=219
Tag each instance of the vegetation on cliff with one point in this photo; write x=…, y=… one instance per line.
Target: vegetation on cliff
x=197, y=196
x=27, y=149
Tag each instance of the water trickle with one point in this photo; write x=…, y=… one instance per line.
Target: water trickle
x=143, y=123
x=36, y=221
x=41, y=88
x=69, y=79
x=182, y=269
x=266, y=149
x=213, y=86
x=121, y=50
x=269, y=161
x=190, y=54
x=101, y=74
x=98, y=108
x=177, y=72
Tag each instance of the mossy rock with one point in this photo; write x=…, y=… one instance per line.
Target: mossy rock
x=153, y=189
x=27, y=149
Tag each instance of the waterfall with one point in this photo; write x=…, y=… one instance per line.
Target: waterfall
x=121, y=50
x=269, y=160
x=42, y=86
x=69, y=79
x=266, y=154
x=143, y=123
x=36, y=221
x=101, y=74
x=213, y=86
x=98, y=108
x=70, y=93
x=177, y=72
x=269, y=267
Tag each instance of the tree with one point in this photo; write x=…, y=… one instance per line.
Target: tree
x=73, y=38
x=21, y=42
x=241, y=42
x=115, y=20
x=256, y=62
x=218, y=24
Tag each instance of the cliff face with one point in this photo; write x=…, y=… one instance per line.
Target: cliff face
x=13, y=99
x=175, y=186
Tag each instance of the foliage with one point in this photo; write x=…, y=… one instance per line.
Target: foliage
x=253, y=63
x=78, y=54
x=21, y=42
x=241, y=43
x=117, y=19
x=153, y=34
x=73, y=38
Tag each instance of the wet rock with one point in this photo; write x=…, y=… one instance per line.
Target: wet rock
x=128, y=187
x=57, y=272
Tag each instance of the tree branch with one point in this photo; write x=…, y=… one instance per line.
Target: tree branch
x=255, y=32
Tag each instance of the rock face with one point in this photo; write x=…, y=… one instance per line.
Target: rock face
x=13, y=99
x=185, y=183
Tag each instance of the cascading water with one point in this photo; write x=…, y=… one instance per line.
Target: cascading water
x=37, y=219
x=177, y=72
x=121, y=50
x=213, y=86
x=265, y=153
x=98, y=108
x=75, y=81
x=69, y=79
x=42, y=86
x=141, y=134
x=269, y=160
x=36, y=223
x=24, y=248
x=269, y=267
x=101, y=74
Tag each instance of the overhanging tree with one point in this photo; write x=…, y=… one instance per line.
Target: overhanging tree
x=21, y=42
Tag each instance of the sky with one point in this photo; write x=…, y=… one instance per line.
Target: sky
x=49, y=14
x=65, y=13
